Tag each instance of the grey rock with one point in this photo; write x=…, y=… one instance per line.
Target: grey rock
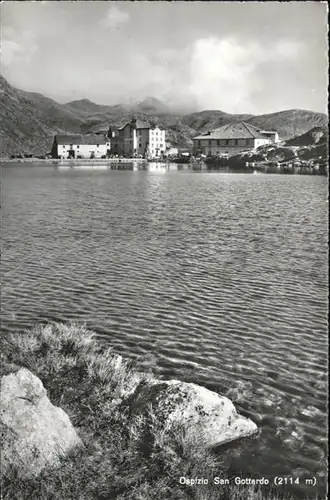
x=34, y=433
x=209, y=417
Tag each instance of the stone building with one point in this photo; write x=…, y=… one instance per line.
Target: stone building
x=232, y=138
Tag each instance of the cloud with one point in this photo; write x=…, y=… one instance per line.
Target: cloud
x=150, y=79
x=288, y=49
x=17, y=47
x=227, y=74
x=223, y=72
x=115, y=17
x=210, y=73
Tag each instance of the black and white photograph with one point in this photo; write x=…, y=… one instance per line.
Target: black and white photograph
x=164, y=250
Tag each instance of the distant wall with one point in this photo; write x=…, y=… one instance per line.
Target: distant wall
x=126, y=140
x=262, y=142
x=142, y=136
x=273, y=136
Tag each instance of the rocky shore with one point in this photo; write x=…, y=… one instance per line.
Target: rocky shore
x=78, y=421
x=303, y=155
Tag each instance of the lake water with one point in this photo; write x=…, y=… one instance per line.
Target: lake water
x=219, y=279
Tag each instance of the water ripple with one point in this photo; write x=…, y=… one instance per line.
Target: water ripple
x=223, y=278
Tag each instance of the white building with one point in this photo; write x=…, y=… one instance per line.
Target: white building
x=157, y=144
x=80, y=146
x=232, y=138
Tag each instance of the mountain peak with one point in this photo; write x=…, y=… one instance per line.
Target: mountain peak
x=152, y=105
x=152, y=101
x=80, y=102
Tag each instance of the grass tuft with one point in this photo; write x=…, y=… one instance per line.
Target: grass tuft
x=122, y=459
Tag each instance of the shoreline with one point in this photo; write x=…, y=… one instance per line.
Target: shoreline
x=258, y=169
x=73, y=161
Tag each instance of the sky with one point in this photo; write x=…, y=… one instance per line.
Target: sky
x=251, y=57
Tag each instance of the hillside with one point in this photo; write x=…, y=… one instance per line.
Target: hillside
x=316, y=135
x=30, y=120
x=291, y=122
x=19, y=124
x=204, y=121
x=85, y=108
x=149, y=106
x=52, y=113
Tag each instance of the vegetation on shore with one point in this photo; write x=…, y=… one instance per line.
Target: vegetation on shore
x=86, y=379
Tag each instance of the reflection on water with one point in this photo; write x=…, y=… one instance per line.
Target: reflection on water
x=157, y=166
x=221, y=278
x=153, y=166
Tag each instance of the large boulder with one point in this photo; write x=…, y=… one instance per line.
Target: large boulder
x=34, y=433
x=206, y=415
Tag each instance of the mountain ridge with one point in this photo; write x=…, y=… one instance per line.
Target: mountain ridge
x=29, y=120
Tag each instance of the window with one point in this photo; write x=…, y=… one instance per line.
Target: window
x=97, y=145
x=218, y=142
x=140, y=145
x=77, y=147
x=210, y=142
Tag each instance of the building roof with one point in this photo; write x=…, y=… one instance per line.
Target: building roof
x=157, y=126
x=136, y=124
x=63, y=139
x=142, y=124
x=235, y=130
